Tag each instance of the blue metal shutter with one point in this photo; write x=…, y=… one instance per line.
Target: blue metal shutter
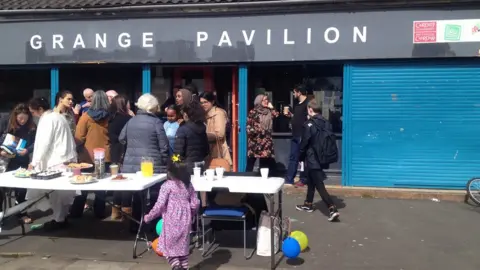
x=411, y=124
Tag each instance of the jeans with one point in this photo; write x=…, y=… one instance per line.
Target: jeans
x=315, y=180
x=293, y=160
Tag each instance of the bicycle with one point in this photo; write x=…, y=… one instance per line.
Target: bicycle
x=473, y=190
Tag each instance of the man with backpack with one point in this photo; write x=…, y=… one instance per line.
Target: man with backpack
x=318, y=149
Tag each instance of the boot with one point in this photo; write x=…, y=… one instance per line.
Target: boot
x=116, y=215
x=128, y=211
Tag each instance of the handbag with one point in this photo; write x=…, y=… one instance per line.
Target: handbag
x=220, y=161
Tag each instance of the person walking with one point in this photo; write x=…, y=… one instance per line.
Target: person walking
x=177, y=204
x=298, y=119
x=318, y=149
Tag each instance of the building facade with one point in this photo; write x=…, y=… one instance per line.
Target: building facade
x=400, y=84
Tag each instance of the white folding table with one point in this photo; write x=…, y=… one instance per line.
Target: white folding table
x=134, y=182
x=252, y=185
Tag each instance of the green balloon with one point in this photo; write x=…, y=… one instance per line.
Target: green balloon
x=159, y=227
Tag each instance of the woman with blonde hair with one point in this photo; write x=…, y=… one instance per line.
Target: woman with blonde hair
x=144, y=136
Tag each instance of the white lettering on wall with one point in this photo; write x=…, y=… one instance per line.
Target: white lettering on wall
x=249, y=39
x=305, y=36
x=201, y=37
x=36, y=42
x=101, y=40
x=309, y=35
x=124, y=40
x=57, y=41
x=285, y=38
x=327, y=37
x=362, y=35
x=79, y=42
x=148, y=40
x=225, y=38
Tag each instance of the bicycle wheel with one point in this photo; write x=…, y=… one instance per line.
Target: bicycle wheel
x=473, y=190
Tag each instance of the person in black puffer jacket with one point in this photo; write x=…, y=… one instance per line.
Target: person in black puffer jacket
x=191, y=141
x=145, y=137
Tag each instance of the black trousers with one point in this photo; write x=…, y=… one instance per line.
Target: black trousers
x=123, y=198
x=78, y=206
x=315, y=180
x=264, y=163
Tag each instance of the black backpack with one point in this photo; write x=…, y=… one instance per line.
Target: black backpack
x=325, y=144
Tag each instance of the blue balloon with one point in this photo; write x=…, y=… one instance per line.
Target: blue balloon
x=291, y=248
x=159, y=227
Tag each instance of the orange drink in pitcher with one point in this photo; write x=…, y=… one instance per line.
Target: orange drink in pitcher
x=146, y=167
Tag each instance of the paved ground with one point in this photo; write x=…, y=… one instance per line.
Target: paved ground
x=374, y=234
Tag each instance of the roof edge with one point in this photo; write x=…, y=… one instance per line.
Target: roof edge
x=236, y=5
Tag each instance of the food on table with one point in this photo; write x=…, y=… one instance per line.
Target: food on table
x=22, y=173
x=79, y=165
x=82, y=178
x=119, y=177
x=46, y=175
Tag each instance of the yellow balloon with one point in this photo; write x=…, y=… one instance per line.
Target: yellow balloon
x=301, y=239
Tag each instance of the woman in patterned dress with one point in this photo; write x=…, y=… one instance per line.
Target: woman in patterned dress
x=177, y=204
x=259, y=132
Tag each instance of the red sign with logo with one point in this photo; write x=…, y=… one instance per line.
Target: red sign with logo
x=424, y=32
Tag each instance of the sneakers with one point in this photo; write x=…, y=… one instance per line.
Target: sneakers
x=299, y=184
x=333, y=216
x=305, y=207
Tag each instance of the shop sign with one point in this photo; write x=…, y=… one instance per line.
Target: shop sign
x=446, y=31
x=331, y=35
x=243, y=39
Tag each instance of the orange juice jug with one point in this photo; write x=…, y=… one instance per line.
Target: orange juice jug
x=146, y=167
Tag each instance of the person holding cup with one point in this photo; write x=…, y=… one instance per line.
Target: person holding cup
x=259, y=133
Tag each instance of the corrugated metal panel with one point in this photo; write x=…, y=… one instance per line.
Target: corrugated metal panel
x=412, y=125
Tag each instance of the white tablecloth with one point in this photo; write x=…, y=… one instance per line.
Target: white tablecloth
x=135, y=182
x=240, y=184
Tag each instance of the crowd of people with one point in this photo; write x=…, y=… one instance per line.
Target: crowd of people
x=195, y=131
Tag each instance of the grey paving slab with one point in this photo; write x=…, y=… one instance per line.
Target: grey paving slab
x=373, y=234
x=37, y=263
x=99, y=265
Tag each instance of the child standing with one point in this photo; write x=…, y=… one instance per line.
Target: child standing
x=177, y=203
x=171, y=126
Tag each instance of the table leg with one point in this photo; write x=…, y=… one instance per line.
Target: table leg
x=272, y=231
x=4, y=205
x=280, y=212
x=140, y=226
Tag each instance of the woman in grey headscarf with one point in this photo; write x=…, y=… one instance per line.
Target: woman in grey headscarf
x=92, y=133
x=259, y=132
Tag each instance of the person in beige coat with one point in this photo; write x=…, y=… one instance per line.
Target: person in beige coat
x=216, y=120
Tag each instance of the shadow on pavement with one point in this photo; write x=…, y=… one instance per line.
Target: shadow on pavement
x=217, y=259
x=320, y=205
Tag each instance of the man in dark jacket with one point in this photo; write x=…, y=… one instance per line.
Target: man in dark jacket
x=298, y=119
x=315, y=174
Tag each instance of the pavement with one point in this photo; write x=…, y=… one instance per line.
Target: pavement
x=373, y=234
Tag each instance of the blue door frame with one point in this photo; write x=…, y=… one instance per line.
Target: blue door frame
x=242, y=116
x=146, y=79
x=54, y=85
